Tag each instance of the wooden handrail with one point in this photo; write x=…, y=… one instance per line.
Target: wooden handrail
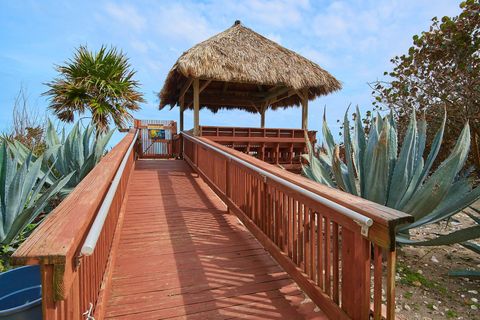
x=93, y=235
x=384, y=218
x=70, y=284
x=320, y=247
x=364, y=222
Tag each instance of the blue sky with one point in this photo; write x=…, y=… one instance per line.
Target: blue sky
x=354, y=40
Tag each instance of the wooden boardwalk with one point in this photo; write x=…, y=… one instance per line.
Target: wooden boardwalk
x=182, y=256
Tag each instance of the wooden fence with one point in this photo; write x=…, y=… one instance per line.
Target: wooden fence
x=323, y=250
x=273, y=145
x=72, y=284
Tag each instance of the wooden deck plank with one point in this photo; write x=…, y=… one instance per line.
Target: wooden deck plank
x=182, y=256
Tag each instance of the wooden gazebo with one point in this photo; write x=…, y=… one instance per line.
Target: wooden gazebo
x=240, y=69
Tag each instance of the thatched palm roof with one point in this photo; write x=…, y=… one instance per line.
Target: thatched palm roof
x=242, y=69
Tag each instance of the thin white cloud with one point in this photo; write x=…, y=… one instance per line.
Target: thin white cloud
x=139, y=46
x=126, y=14
x=274, y=37
x=274, y=13
x=181, y=22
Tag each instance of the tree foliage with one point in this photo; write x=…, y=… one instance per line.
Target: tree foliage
x=441, y=70
x=28, y=125
x=101, y=83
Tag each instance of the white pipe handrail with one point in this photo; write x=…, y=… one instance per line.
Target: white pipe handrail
x=91, y=241
x=364, y=221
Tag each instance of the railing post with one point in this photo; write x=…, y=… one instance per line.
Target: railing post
x=391, y=265
x=264, y=202
x=180, y=145
x=48, y=301
x=228, y=188
x=195, y=154
x=355, y=274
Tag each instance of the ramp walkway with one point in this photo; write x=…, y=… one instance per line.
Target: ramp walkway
x=182, y=256
x=217, y=235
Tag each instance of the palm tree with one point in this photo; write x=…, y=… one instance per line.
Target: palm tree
x=99, y=83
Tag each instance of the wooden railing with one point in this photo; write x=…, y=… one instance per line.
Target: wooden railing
x=72, y=284
x=327, y=252
x=282, y=147
x=260, y=133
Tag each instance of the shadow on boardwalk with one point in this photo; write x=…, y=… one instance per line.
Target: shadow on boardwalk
x=181, y=256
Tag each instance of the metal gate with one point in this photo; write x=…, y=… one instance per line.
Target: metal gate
x=156, y=138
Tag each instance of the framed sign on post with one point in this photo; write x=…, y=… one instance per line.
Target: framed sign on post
x=156, y=138
x=156, y=132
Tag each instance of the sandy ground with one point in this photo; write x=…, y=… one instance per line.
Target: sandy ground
x=424, y=289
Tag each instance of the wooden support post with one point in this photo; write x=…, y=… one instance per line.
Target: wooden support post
x=304, y=98
x=48, y=301
x=182, y=106
x=391, y=267
x=262, y=118
x=196, y=107
x=355, y=275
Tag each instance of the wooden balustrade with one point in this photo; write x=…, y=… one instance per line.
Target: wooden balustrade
x=71, y=283
x=325, y=252
x=260, y=133
x=273, y=145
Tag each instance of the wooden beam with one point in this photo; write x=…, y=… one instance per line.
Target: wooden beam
x=218, y=92
x=221, y=101
x=196, y=107
x=204, y=85
x=182, y=109
x=185, y=87
x=304, y=98
x=256, y=108
x=277, y=99
x=225, y=85
x=274, y=93
x=200, y=90
x=303, y=94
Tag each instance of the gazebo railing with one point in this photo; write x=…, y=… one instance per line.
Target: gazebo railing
x=331, y=243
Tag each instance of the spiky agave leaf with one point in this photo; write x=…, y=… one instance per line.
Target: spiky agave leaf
x=78, y=151
x=23, y=194
x=351, y=174
x=404, y=167
x=329, y=144
x=433, y=191
x=359, y=146
x=458, y=236
x=402, y=181
x=378, y=171
x=316, y=170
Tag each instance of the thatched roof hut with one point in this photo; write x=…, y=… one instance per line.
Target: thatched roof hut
x=240, y=69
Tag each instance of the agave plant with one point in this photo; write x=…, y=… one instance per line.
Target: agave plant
x=23, y=195
x=376, y=170
x=78, y=152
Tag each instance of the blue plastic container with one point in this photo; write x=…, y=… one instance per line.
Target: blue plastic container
x=21, y=294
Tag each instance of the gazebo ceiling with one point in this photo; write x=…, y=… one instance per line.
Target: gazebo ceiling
x=240, y=69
